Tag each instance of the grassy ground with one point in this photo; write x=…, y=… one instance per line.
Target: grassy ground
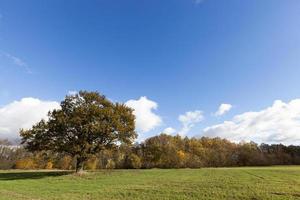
x=215, y=184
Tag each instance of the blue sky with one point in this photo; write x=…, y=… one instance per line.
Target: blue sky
x=184, y=55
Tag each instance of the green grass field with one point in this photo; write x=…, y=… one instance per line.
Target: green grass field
x=222, y=183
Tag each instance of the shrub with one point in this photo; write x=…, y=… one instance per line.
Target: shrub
x=65, y=163
x=110, y=164
x=49, y=165
x=133, y=161
x=91, y=164
x=26, y=163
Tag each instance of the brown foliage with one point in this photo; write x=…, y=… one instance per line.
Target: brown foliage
x=26, y=163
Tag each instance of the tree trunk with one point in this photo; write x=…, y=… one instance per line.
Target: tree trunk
x=79, y=165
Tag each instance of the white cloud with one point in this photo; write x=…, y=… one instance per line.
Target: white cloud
x=23, y=114
x=189, y=119
x=72, y=92
x=146, y=119
x=169, y=130
x=17, y=61
x=279, y=123
x=223, y=108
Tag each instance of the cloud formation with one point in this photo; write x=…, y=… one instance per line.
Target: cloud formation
x=279, y=123
x=169, y=131
x=17, y=61
x=223, y=108
x=23, y=114
x=146, y=119
x=189, y=120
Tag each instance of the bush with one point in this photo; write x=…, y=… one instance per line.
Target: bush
x=65, y=163
x=133, y=161
x=91, y=164
x=26, y=163
x=110, y=164
x=49, y=165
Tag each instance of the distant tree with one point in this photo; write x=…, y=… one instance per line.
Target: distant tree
x=132, y=161
x=110, y=164
x=26, y=163
x=65, y=162
x=86, y=124
x=91, y=164
x=49, y=165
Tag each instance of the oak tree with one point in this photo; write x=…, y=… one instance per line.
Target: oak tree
x=86, y=124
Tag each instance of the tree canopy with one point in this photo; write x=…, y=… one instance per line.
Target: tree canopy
x=86, y=123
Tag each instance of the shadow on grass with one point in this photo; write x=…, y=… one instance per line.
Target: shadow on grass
x=8, y=176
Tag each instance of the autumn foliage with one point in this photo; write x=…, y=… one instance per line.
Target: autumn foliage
x=162, y=151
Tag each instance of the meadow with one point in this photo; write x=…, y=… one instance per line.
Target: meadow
x=252, y=183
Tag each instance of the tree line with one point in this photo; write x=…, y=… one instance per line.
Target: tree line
x=162, y=151
x=89, y=131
